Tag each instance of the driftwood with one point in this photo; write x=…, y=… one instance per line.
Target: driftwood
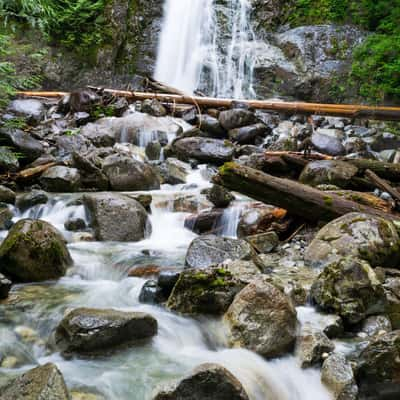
x=383, y=185
x=27, y=173
x=350, y=111
x=298, y=199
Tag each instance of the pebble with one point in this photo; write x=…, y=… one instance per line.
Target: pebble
x=9, y=362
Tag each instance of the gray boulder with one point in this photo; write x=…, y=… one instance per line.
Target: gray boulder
x=116, y=217
x=34, y=251
x=5, y=287
x=61, y=179
x=6, y=216
x=7, y=195
x=376, y=324
x=127, y=174
x=248, y=134
x=368, y=237
x=236, y=118
x=206, y=382
x=211, y=126
x=8, y=160
x=176, y=171
x=262, y=319
x=28, y=108
x=209, y=249
x=87, y=330
x=328, y=141
x=43, y=382
x=30, y=199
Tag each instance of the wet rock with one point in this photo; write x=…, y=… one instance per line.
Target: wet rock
x=208, y=250
x=206, y=382
x=333, y=326
x=175, y=171
x=86, y=330
x=43, y=382
x=153, y=150
x=219, y=196
x=204, y=222
x=262, y=319
x=350, y=288
x=22, y=142
x=371, y=238
x=329, y=172
x=385, y=141
x=151, y=293
x=328, y=141
x=127, y=174
x=376, y=324
x=8, y=160
x=337, y=375
x=211, y=126
x=378, y=370
x=75, y=224
x=264, y=242
x=167, y=280
x=392, y=291
x=30, y=199
x=90, y=171
x=143, y=271
x=243, y=271
x=203, y=149
x=34, y=251
x=312, y=344
x=209, y=291
x=154, y=108
x=248, y=134
x=236, y=118
x=6, y=216
x=5, y=287
x=116, y=217
x=31, y=109
x=7, y=195
x=61, y=179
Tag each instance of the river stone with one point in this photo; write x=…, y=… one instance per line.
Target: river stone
x=22, y=142
x=248, y=134
x=211, y=126
x=34, y=251
x=378, y=370
x=41, y=383
x=203, y=149
x=262, y=319
x=88, y=330
x=328, y=141
x=153, y=107
x=236, y=118
x=337, y=375
x=219, y=196
x=209, y=291
x=311, y=346
x=371, y=238
x=5, y=287
x=116, y=217
x=7, y=195
x=8, y=160
x=128, y=174
x=30, y=199
x=206, y=382
x=6, y=216
x=264, y=242
x=210, y=249
x=205, y=221
x=29, y=108
x=350, y=288
x=376, y=324
x=61, y=179
x=176, y=171
x=329, y=172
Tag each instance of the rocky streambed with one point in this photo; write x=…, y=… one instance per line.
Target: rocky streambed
x=127, y=274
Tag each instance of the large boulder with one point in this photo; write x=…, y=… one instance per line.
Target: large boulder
x=371, y=238
x=350, y=288
x=87, y=330
x=337, y=375
x=328, y=141
x=31, y=199
x=28, y=108
x=128, y=174
x=34, y=251
x=209, y=291
x=378, y=370
x=43, y=382
x=262, y=319
x=211, y=126
x=206, y=382
x=203, y=149
x=116, y=217
x=236, y=118
x=329, y=172
x=7, y=195
x=248, y=134
x=210, y=249
x=61, y=179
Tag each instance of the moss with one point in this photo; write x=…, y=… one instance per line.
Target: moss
x=328, y=201
x=227, y=168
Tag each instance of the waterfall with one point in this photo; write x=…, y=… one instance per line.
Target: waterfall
x=208, y=46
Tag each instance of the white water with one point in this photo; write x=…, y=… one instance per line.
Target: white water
x=207, y=46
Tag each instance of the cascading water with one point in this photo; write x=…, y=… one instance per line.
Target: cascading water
x=208, y=46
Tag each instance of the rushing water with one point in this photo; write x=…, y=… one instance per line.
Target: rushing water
x=207, y=45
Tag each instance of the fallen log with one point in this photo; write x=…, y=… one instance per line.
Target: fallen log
x=298, y=199
x=382, y=185
x=27, y=173
x=347, y=110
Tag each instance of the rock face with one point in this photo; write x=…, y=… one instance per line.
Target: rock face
x=86, y=330
x=209, y=291
x=350, y=288
x=61, y=179
x=206, y=382
x=44, y=382
x=359, y=235
x=378, y=372
x=329, y=172
x=118, y=218
x=203, y=149
x=338, y=376
x=34, y=251
x=209, y=249
x=262, y=319
x=127, y=174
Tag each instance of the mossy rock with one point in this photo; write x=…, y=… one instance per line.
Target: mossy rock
x=34, y=251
